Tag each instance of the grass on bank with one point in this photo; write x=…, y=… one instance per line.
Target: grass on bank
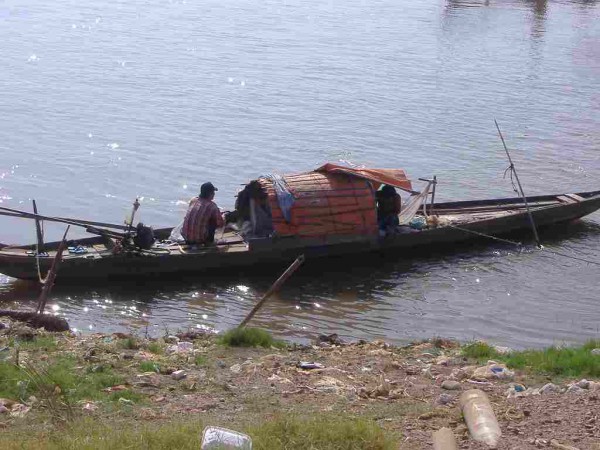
x=149, y=366
x=156, y=348
x=567, y=361
x=60, y=378
x=41, y=342
x=323, y=432
x=250, y=337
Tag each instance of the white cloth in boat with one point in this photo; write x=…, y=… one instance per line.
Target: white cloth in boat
x=412, y=206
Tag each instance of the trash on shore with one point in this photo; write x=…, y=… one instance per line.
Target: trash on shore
x=492, y=370
x=305, y=365
x=443, y=439
x=214, y=438
x=178, y=375
x=180, y=347
x=555, y=444
x=480, y=418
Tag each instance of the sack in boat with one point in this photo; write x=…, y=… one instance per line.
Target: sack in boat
x=144, y=237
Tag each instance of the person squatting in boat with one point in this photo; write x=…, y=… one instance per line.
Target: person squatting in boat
x=252, y=216
x=389, y=205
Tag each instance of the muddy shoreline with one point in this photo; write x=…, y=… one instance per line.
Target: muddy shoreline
x=408, y=391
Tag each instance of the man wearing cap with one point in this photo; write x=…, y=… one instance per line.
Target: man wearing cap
x=202, y=218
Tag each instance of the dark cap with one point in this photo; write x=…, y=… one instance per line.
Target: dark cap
x=206, y=189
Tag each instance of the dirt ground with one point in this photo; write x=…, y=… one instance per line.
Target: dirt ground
x=398, y=387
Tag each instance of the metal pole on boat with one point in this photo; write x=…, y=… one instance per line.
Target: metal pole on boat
x=290, y=270
x=514, y=170
x=433, y=194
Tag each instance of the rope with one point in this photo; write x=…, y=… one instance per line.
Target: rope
x=512, y=181
x=37, y=261
x=575, y=258
x=518, y=244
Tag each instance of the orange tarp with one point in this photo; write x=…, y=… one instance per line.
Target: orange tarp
x=393, y=177
x=332, y=200
x=325, y=204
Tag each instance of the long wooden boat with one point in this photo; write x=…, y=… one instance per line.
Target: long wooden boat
x=330, y=206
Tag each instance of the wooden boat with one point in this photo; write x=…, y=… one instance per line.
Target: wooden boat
x=333, y=213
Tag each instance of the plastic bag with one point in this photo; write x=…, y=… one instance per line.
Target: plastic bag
x=175, y=235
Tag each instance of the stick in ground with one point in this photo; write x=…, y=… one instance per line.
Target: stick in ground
x=290, y=270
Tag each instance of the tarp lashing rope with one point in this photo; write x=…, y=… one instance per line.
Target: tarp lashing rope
x=414, y=203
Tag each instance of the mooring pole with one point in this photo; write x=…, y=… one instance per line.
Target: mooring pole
x=38, y=230
x=512, y=168
x=290, y=270
x=49, y=281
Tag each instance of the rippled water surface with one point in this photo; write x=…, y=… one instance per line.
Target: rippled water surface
x=104, y=101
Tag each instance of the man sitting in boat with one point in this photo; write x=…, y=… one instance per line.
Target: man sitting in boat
x=389, y=204
x=202, y=218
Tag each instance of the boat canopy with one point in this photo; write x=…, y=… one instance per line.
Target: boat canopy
x=393, y=177
x=331, y=200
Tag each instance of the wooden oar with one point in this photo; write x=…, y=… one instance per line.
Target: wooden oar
x=290, y=270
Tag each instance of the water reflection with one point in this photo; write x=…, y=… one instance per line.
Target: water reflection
x=458, y=4
x=540, y=8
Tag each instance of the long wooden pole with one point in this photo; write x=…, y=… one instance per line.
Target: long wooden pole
x=290, y=270
x=49, y=281
x=38, y=230
x=77, y=222
x=514, y=170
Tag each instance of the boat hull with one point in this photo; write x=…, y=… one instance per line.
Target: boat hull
x=469, y=220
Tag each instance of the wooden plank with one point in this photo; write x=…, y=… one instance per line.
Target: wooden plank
x=565, y=199
x=575, y=197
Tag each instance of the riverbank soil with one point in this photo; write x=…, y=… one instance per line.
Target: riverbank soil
x=51, y=384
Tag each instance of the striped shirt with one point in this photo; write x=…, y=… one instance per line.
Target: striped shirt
x=202, y=215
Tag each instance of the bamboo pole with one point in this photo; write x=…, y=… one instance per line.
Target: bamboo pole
x=49, y=281
x=77, y=222
x=290, y=270
x=514, y=170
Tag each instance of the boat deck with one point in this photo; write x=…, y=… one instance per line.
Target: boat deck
x=228, y=242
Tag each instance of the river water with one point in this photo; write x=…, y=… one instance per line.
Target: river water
x=103, y=101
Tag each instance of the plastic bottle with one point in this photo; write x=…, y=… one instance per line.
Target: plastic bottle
x=480, y=417
x=443, y=439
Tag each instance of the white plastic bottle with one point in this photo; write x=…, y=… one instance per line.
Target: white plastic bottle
x=480, y=417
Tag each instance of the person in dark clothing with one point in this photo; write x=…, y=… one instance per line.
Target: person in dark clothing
x=252, y=211
x=389, y=205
